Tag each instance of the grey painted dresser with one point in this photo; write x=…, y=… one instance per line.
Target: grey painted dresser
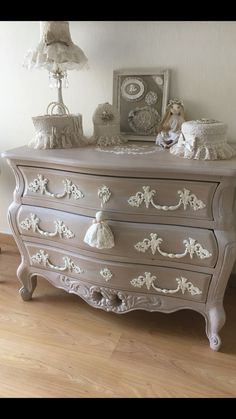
x=171, y=218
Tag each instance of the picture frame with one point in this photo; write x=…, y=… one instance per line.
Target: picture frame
x=141, y=97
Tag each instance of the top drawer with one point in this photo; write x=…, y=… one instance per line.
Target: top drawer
x=162, y=197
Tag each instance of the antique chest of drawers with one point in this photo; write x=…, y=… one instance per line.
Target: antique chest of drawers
x=171, y=220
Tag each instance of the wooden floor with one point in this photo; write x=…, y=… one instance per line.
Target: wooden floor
x=58, y=346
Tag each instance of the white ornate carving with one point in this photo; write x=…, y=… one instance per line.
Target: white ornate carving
x=110, y=299
x=191, y=247
x=106, y=274
x=40, y=185
x=130, y=149
x=42, y=258
x=104, y=194
x=186, y=198
x=60, y=228
x=183, y=285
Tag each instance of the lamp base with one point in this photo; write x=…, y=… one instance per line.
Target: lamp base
x=58, y=131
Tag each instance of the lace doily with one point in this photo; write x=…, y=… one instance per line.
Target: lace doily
x=144, y=120
x=130, y=149
x=132, y=88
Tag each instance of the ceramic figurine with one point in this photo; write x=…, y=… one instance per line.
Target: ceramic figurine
x=169, y=129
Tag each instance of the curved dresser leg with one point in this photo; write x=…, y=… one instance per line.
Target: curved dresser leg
x=215, y=320
x=28, y=280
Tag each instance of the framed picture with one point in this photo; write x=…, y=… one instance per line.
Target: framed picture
x=141, y=99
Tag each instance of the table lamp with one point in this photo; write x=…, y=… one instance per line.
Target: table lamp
x=56, y=53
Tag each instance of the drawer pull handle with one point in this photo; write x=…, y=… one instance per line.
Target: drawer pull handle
x=183, y=285
x=60, y=228
x=42, y=258
x=40, y=185
x=186, y=199
x=192, y=247
x=99, y=234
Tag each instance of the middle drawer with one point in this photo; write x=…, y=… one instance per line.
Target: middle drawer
x=133, y=241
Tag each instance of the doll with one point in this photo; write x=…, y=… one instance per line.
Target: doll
x=169, y=129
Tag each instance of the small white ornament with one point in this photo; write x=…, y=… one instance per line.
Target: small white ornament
x=106, y=274
x=104, y=194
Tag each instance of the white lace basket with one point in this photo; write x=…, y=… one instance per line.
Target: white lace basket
x=59, y=130
x=203, y=139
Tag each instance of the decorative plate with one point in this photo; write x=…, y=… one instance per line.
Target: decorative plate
x=151, y=98
x=144, y=121
x=132, y=88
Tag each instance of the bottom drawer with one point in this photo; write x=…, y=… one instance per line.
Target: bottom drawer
x=123, y=276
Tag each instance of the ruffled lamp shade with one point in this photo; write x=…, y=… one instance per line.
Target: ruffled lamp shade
x=55, y=51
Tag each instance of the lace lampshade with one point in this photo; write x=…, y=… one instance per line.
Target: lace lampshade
x=56, y=53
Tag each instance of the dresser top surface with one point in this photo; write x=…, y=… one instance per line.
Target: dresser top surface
x=153, y=161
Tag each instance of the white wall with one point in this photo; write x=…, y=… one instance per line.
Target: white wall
x=200, y=55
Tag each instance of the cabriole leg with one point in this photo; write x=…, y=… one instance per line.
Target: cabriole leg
x=215, y=320
x=28, y=280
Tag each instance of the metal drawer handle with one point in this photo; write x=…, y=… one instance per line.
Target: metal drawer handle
x=183, y=284
x=40, y=185
x=186, y=199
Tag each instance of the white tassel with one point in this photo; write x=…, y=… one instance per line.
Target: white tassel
x=99, y=234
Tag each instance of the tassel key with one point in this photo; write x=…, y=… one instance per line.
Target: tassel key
x=99, y=234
